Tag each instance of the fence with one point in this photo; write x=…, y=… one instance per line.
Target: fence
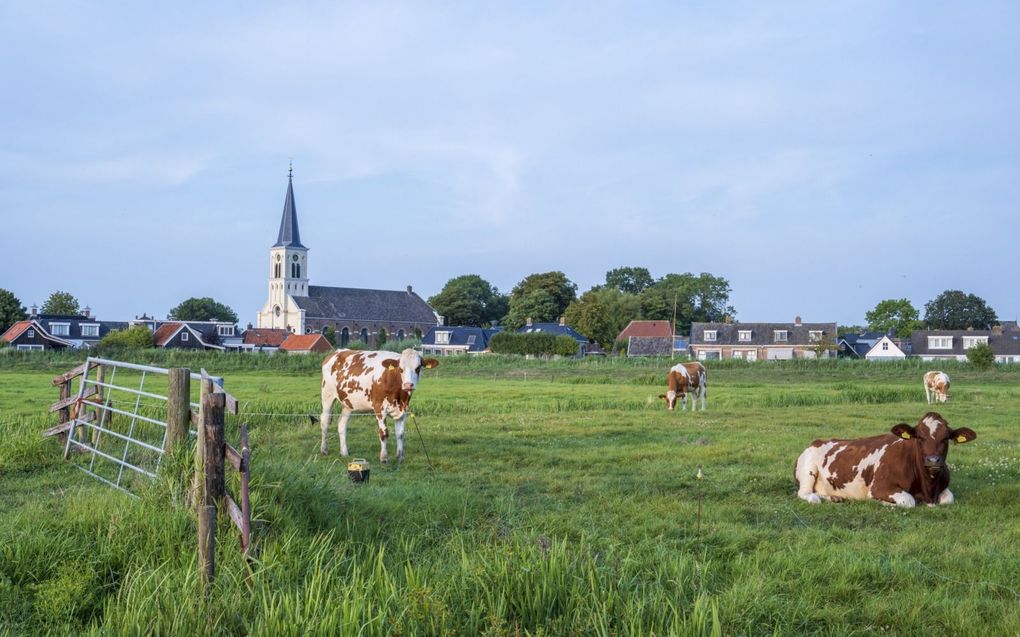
x=118, y=431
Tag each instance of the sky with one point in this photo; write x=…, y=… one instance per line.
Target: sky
x=821, y=157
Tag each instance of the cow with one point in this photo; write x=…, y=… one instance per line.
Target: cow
x=684, y=378
x=902, y=468
x=936, y=387
x=370, y=381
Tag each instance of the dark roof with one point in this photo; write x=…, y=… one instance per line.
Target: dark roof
x=861, y=344
x=76, y=321
x=554, y=328
x=460, y=335
x=289, y=235
x=1005, y=342
x=761, y=333
x=357, y=304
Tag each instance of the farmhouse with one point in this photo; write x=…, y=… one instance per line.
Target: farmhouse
x=448, y=340
x=874, y=346
x=297, y=306
x=1003, y=339
x=762, y=341
x=651, y=338
x=58, y=331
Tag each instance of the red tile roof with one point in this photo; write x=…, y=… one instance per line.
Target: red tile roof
x=16, y=330
x=269, y=336
x=165, y=332
x=646, y=328
x=306, y=343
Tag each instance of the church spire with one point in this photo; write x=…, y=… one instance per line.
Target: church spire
x=289, y=235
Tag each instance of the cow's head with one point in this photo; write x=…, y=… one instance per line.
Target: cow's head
x=677, y=390
x=410, y=365
x=932, y=436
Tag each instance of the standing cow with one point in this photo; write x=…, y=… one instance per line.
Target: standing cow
x=684, y=378
x=936, y=387
x=902, y=468
x=376, y=381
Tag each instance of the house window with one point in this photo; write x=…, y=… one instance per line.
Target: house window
x=442, y=338
x=30, y=347
x=779, y=336
x=31, y=333
x=885, y=346
x=60, y=329
x=184, y=337
x=89, y=329
x=364, y=335
x=940, y=342
x=744, y=336
x=710, y=336
x=814, y=335
x=971, y=341
x=225, y=330
x=471, y=340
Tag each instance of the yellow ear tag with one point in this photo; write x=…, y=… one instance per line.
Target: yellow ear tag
x=905, y=436
x=961, y=439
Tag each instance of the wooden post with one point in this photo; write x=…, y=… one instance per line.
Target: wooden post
x=178, y=407
x=213, y=409
x=207, y=543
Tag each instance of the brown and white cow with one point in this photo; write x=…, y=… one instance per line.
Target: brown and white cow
x=903, y=467
x=686, y=378
x=936, y=386
x=376, y=381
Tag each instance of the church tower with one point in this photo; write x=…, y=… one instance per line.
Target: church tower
x=288, y=271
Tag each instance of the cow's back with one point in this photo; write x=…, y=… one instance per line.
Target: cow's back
x=857, y=469
x=353, y=378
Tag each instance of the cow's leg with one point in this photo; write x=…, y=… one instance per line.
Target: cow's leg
x=683, y=403
x=704, y=392
x=327, y=414
x=398, y=429
x=946, y=497
x=902, y=499
x=383, y=435
x=341, y=429
x=927, y=393
x=806, y=480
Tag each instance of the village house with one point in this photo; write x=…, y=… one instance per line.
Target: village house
x=651, y=338
x=934, y=345
x=306, y=344
x=59, y=331
x=585, y=346
x=449, y=340
x=874, y=346
x=763, y=341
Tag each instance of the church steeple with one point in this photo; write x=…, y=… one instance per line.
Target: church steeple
x=289, y=235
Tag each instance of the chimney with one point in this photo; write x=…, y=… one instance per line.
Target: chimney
x=410, y=289
x=727, y=319
x=563, y=320
x=85, y=312
x=796, y=321
x=35, y=311
x=527, y=322
x=997, y=330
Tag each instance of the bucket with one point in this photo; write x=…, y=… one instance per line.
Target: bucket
x=358, y=470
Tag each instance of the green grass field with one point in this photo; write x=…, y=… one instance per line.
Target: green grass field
x=562, y=501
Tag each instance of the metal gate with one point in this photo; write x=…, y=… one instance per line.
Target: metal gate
x=118, y=425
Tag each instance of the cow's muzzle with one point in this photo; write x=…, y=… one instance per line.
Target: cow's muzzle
x=408, y=387
x=934, y=462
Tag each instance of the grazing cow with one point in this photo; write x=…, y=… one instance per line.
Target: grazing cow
x=380, y=382
x=936, y=387
x=684, y=378
x=902, y=468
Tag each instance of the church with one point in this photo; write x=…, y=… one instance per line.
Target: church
x=357, y=315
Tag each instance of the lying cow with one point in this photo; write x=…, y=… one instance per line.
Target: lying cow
x=902, y=468
x=684, y=378
x=379, y=382
x=936, y=387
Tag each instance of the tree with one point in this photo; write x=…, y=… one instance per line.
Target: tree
x=954, y=310
x=133, y=337
x=380, y=338
x=60, y=303
x=469, y=300
x=826, y=345
x=701, y=298
x=11, y=310
x=329, y=333
x=894, y=314
x=981, y=356
x=602, y=312
x=630, y=280
x=202, y=309
x=542, y=297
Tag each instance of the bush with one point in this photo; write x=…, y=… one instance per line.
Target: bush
x=134, y=337
x=535, y=344
x=981, y=356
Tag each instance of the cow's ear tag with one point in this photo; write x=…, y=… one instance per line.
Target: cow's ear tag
x=961, y=439
x=905, y=435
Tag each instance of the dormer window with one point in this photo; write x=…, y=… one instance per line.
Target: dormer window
x=442, y=338
x=225, y=330
x=60, y=329
x=89, y=329
x=971, y=341
x=471, y=340
x=940, y=342
x=744, y=336
x=710, y=336
x=779, y=336
x=814, y=335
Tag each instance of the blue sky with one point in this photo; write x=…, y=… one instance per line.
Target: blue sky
x=820, y=156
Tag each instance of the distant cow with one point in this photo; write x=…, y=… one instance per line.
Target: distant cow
x=936, y=387
x=379, y=382
x=902, y=468
x=684, y=378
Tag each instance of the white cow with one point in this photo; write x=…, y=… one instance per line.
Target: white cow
x=936, y=387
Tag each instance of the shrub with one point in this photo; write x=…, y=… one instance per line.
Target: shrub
x=134, y=337
x=981, y=356
x=535, y=344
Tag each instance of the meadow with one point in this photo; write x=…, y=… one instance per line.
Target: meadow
x=561, y=499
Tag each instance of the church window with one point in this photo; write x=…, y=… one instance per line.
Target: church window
x=345, y=337
x=400, y=335
x=364, y=335
x=276, y=310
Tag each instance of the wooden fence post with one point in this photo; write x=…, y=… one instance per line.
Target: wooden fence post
x=245, y=496
x=207, y=543
x=213, y=410
x=178, y=416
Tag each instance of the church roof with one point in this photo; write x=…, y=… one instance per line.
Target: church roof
x=289, y=235
x=357, y=304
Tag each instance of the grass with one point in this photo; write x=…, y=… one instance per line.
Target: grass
x=563, y=501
